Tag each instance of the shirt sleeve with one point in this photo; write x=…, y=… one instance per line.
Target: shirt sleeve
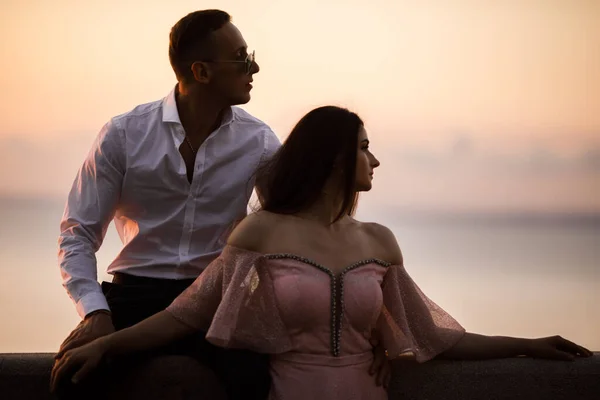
x=90, y=207
x=272, y=144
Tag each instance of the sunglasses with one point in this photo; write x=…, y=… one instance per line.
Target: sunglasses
x=247, y=63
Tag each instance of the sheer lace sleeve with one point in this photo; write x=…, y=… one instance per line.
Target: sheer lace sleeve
x=411, y=322
x=233, y=301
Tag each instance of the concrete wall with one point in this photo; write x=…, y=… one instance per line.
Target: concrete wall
x=25, y=376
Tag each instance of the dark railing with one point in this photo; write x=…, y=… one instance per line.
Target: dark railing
x=25, y=376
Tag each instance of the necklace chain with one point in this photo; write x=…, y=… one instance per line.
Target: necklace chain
x=187, y=140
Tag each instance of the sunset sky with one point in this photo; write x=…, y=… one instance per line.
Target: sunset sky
x=485, y=106
x=470, y=104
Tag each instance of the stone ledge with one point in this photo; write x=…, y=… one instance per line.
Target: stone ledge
x=26, y=376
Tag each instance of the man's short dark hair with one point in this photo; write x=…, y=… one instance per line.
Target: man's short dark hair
x=190, y=39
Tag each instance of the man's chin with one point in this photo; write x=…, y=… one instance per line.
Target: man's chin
x=242, y=99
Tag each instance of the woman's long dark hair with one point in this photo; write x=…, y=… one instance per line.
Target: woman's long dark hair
x=294, y=179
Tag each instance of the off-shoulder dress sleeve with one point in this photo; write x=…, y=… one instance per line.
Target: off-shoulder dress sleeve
x=411, y=322
x=233, y=301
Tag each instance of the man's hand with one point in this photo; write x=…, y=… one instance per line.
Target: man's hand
x=381, y=365
x=77, y=364
x=91, y=328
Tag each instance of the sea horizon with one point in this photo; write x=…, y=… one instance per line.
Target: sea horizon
x=499, y=273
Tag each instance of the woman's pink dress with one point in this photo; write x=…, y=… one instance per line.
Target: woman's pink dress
x=315, y=324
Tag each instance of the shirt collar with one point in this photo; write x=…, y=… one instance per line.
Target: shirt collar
x=170, y=113
x=169, y=109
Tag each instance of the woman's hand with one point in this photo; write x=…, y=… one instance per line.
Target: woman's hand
x=480, y=347
x=381, y=366
x=78, y=363
x=555, y=348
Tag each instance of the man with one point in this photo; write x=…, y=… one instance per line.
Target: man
x=175, y=175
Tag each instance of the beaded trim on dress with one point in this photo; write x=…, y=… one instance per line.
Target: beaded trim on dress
x=336, y=319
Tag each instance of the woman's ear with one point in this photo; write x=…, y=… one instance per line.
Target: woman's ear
x=338, y=166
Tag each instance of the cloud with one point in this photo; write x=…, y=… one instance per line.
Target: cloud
x=469, y=175
x=43, y=167
x=463, y=153
x=590, y=159
x=466, y=173
x=463, y=146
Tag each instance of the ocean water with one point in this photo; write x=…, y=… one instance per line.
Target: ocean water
x=517, y=276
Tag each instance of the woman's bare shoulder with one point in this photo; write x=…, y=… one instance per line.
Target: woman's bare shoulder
x=253, y=231
x=384, y=239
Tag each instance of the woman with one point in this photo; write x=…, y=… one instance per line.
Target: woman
x=304, y=281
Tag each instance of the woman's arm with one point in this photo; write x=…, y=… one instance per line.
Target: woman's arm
x=472, y=346
x=156, y=331
x=479, y=347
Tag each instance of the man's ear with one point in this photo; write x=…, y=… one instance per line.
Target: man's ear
x=201, y=71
